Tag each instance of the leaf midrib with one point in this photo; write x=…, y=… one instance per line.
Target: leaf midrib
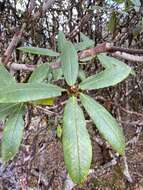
x=100, y=115
x=92, y=80
x=77, y=138
x=29, y=89
x=16, y=121
x=8, y=107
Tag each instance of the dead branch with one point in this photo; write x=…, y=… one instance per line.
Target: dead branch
x=23, y=67
x=127, y=56
x=13, y=44
x=18, y=34
x=101, y=48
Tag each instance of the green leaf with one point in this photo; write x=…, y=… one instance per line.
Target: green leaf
x=84, y=44
x=57, y=73
x=76, y=142
x=39, y=74
x=128, y=5
x=70, y=63
x=81, y=74
x=39, y=51
x=5, y=77
x=109, y=62
x=81, y=46
x=61, y=41
x=44, y=102
x=6, y=109
x=84, y=38
x=106, y=124
x=119, y=1
x=106, y=78
x=113, y=22
x=24, y=92
x=59, y=131
x=12, y=134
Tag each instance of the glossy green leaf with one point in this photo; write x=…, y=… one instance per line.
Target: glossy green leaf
x=106, y=124
x=39, y=51
x=61, y=41
x=57, y=73
x=84, y=44
x=106, y=78
x=6, y=109
x=12, y=135
x=70, y=63
x=5, y=77
x=85, y=38
x=76, y=142
x=24, y=92
x=81, y=74
x=39, y=74
x=109, y=62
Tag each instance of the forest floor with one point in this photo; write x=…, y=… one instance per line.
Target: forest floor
x=40, y=166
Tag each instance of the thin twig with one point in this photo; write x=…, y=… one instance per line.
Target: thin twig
x=120, y=107
x=135, y=139
x=126, y=170
x=132, y=123
x=46, y=110
x=131, y=112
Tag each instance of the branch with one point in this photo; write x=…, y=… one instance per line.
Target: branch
x=24, y=67
x=85, y=53
x=13, y=44
x=125, y=50
x=80, y=25
x=128, y=56
x=101, y=48
x=18, y=34
x=108, y=48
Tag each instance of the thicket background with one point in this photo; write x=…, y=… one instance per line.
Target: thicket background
x=39, y=164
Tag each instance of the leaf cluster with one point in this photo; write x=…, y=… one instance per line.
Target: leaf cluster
x=76, y=140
